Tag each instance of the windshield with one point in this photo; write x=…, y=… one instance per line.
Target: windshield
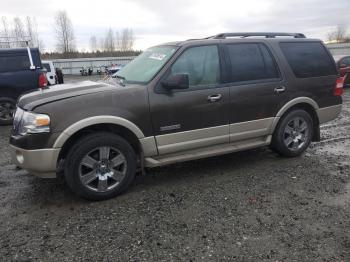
x=144, y=67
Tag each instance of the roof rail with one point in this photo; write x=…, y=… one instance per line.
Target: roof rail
x=267, y=35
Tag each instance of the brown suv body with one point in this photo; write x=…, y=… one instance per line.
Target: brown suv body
x=165, y=124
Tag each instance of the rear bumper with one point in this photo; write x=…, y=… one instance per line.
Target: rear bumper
x=39, y=162
x=327, y=114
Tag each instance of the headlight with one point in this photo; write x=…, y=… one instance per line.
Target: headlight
x=33, y=123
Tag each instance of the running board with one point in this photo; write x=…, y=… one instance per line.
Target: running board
x=207, y=152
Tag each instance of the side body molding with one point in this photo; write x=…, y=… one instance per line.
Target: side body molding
x=293, y=102
x=104, y=119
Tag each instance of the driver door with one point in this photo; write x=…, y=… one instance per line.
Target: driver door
x=197, y=117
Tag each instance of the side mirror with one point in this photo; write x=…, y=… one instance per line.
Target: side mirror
x=342, y=66
x=177, y=81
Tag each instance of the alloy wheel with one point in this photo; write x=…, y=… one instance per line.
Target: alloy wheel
x=102, y=169
x=296, y=133
x=7, y=110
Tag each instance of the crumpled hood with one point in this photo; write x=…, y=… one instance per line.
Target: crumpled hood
x=59, y=92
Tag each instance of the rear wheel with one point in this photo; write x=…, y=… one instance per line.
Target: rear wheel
x=293, y=133
x=100, y=166
x=7, y=110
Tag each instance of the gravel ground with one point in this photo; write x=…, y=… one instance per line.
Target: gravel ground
x=247, y=206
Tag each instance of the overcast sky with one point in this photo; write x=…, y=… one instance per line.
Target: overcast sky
x=157, y=21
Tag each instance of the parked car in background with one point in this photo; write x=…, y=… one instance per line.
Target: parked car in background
x=113, y=69
x=177, y=102
x=20, y=71
x=50, y=72
x=343, y=64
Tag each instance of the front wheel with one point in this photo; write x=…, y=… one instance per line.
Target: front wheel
x=100, y=166
x=7, y=110
x=293, y=133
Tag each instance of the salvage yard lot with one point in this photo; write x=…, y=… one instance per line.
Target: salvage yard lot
x=247, y=206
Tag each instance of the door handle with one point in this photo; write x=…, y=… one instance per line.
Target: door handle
x=279, y=89
x=214, y=98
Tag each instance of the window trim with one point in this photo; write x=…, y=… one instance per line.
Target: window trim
x=255, y=81
x=158, y=88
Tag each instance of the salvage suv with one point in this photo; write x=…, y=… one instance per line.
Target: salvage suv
x=176, y=102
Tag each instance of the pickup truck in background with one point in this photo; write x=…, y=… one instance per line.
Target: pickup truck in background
x=21, y=71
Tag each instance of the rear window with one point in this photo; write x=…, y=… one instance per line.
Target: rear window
x=14, y=62
x=345, y=61
x=251, y=62
x=308, y=59
x=47, y=67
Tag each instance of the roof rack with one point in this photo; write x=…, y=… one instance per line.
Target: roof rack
x=266, y=35
x=11, y=39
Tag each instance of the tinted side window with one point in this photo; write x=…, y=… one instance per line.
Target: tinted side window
x=14, y=62
x=308, y=59
x=251, y=62
x=201, y=64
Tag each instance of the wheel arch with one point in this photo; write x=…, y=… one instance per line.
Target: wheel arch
x=9, y=92
x=305, y=103
x=116, y=125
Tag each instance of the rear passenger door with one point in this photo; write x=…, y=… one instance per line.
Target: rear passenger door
x=257, y=89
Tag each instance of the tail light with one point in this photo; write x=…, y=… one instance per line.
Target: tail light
x=338, y=88
x=42, y=81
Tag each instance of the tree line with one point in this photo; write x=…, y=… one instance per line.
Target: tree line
x=15, y=33
x=339, y=35
x=113, y=41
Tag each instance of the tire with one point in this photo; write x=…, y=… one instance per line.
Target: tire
x=293, y=133
x=110, y=173
x=7, y=110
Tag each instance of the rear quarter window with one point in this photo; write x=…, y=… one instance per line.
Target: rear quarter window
x=308, y=59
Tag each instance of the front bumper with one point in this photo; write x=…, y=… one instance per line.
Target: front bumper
x=39, y=162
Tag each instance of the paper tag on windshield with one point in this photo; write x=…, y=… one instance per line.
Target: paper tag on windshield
x=157, y=56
